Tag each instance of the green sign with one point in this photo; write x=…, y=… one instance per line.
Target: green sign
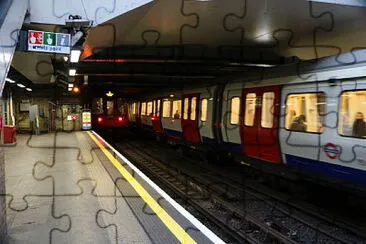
x=49, y=38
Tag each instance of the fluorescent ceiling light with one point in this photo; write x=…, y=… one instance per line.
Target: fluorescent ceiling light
x=72, y=72
x=28, y=89
x=9, y=80
x=356, y=3
x=74, y=57
x=21, y=85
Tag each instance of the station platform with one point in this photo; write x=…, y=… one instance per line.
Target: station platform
x=75, y=188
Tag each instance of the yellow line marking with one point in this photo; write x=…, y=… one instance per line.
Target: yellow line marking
x=169, y=222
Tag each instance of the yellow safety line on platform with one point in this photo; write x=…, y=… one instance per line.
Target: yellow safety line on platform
x=172, y=225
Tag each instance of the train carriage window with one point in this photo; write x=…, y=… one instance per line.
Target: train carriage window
x=153, y=113
x=133, y=108
x=110, y=107
x=235, y=110
x=193, y=108
x=267, y=109
x=305, y=112
x=97, y=106
x=352, y=110
x=143, y=109
x=149, y=108
x=186, y=104
x=177, y=109
x=158, y=108
x=250, y=102
x=167, y=109
x=204, y=109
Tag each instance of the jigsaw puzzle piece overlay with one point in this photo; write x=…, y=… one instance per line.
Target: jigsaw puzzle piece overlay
x=75, y=164
x=82, y=210
x=161, y=24
x=36, y=224
x=19, y=162
x=338, y=35
x=272, y=29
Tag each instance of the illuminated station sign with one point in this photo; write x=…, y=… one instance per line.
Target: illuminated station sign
x=86, y=120
x=48, y=42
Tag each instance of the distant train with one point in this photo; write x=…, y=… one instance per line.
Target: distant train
x=280, y=121
x=109, y=113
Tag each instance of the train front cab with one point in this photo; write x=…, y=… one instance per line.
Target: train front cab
x=109, y=113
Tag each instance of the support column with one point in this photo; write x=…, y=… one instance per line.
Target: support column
x=9, y=31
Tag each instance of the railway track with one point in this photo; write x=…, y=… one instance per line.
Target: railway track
x=242, y=213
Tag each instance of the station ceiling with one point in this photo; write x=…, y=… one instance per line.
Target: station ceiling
x=176, y=42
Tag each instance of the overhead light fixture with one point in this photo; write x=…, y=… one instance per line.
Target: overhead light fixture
x=75, y=89
x=21, y=85
x=28, y=89
x=74, y=57
x=10, y=80
x=109, y=94
x=356, y=3
x=253, y=65
x=171, y=95
x=72, y=72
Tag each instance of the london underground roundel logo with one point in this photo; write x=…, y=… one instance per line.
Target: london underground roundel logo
x=331, y=150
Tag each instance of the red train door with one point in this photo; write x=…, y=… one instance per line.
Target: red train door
x=259, y=129
x=156, y=119
x=190, y=118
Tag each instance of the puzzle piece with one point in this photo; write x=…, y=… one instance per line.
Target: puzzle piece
x=155, y=20
x=20, y=174
x=131, y=215
x=38, y=223
x=270, y=14
x=82, y=210
x=75, y=163
x=337, y=36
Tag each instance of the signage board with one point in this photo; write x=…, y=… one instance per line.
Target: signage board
x=49, y=42
x=86, y=120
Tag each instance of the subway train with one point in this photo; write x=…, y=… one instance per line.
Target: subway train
x=300, y=120
x=109, y=113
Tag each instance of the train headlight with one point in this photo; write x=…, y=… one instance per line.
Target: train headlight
x=120, y=119
x=100, y=119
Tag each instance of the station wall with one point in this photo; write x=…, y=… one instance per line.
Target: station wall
x=51, y=116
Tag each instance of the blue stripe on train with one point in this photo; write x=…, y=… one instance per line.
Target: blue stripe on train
x=173, y=133
x=233, y=147
x=208, y=140
x=332, y=170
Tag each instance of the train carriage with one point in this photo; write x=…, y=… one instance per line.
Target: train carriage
x=109, y=113
x=286, y=124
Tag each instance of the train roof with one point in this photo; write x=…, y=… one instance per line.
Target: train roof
x=343, y=66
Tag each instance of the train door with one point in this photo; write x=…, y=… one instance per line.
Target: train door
x=156, y=119
x=110, y=108
x=138, y=113
x=190, y=118
x=259, y=129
